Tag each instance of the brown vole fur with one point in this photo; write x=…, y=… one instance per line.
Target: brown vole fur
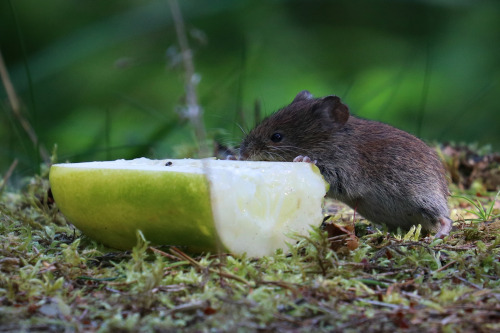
x=389, y=176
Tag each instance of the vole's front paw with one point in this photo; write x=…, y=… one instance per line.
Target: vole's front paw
x=231, y=157
x=306, y=159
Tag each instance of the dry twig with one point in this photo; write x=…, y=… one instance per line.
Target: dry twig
x=178, y=254
x=16, y=109
x=8, y=174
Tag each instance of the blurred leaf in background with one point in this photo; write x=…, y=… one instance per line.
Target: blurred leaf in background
x=103, y=80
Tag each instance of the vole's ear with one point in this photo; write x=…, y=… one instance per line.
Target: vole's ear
x=302, y=96
x=335, y=109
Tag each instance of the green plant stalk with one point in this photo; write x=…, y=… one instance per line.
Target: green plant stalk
x=482, y=214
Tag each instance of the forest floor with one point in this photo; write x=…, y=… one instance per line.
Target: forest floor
x=53, y=278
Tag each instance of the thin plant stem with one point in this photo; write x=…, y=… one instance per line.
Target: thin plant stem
x=30, y=81
x=425, y=92
x=8, y=174
x=16, y=109
x=194, y=112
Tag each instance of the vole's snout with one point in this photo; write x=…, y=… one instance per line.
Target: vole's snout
x=244, y=151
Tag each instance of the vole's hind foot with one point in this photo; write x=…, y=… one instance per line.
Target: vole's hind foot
x=306, y=159
x=444, y=228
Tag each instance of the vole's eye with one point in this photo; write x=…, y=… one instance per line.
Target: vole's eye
x=276, y=137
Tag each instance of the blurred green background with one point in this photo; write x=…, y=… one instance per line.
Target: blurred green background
x=103, y=79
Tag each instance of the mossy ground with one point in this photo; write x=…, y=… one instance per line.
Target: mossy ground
x=53, y=278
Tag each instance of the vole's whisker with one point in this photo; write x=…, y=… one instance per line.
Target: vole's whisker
x=292, y=149
x=277, y=157
x=242, y=129
x=274, y=156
